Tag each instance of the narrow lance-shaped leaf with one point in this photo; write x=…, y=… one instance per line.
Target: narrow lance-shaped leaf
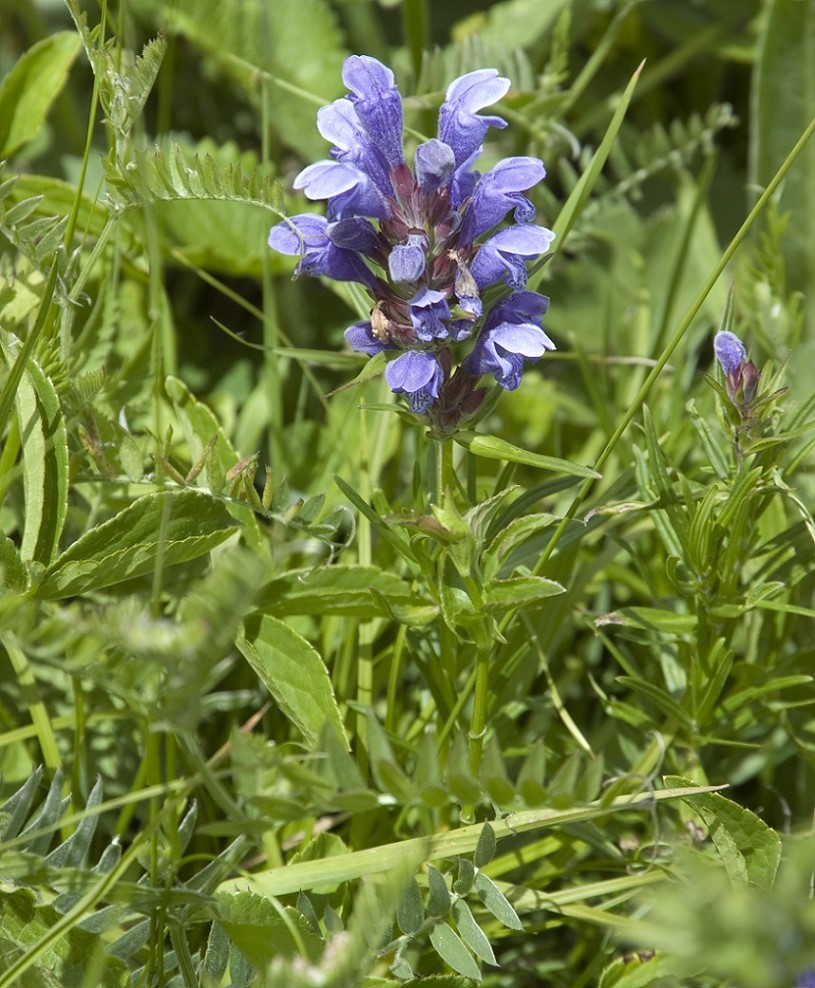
x=449, y=946
x=471, y=933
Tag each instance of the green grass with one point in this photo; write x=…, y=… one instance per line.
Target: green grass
x=293, y=694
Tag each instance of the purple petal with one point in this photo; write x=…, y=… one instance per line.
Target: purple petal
x=338, y=122
x=499, y=191
x=505, y=254
x=518, y=307
x=730, y=351
x=406, y=263
x=349, y=190
x=417, y=375
x=459, y=123
x=360, y=337
x=428, y=312
x=510, y=336
x=524, y=339
x=434, y=163
x=306, y=236
x=354, y=233
x=377, y=103
x=300, y=235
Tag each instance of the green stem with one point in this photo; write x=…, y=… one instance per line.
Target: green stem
x=272, y=361
x=416, y=28
x=31, y=698
x=443, y=480
x=365, y=669
x=478, y=724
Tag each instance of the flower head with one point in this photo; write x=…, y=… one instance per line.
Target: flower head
x=425, y=242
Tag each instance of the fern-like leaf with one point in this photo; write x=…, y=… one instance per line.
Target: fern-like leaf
x=170, y=174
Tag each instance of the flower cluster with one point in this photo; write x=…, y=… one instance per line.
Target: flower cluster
x=424, y=241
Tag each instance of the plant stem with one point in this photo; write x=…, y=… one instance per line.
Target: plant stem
x=365, y=672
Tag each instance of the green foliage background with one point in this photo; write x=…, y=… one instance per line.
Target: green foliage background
x=275, y=707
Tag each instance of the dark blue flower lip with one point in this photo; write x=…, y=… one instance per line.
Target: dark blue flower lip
x=418, y=375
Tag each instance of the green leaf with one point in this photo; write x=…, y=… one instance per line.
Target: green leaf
x=410, y=911
x=449, y=946
x=750, y=850
x=31, y=86
x=439, y=901
x=781, y=112
x=465, y=878
x=485, y=849
x=294, y=674
x=519, y=591
x=12, y=570
x=261, y=930
x=664, y=701
x=169, y=528
x=471, y=932
x=496, y=902
x=328, y=590
x=658, y=619
x=492, y=448
x=44, y=456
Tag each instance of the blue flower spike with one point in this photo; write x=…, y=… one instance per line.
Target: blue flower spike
x=426, y=243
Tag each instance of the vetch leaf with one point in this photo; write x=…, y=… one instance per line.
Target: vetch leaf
x=438, y=903
x=485, y=849
x=294, y=673
x=180, y=525
x=410, y=911
x=465, y=878
x=496, y=902
x=471, y=932
x=449, y=946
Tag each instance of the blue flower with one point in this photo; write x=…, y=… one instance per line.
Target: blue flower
x=418, y=375
x=729, y=350
x=511, y=335
x=806, y=979
x=426, y=242
x=741, y=375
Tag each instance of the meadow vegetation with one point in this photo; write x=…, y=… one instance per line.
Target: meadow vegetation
x=306, y=680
